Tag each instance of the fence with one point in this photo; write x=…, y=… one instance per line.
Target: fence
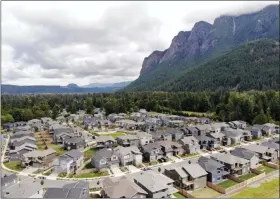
x=269, y=164
x=185, y=193
x=216, y=187
x=235, y=179
x=256, y=178
x=255, y=171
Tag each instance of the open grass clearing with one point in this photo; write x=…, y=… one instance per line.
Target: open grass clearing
x=205, y=193
x=266, y=169
x=227, y=183
x=268, y=189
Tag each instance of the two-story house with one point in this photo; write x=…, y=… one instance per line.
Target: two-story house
x=238, y=124
x=20, y=150
x=128, y=140
x=190, y=144
x=272, y=145
x=248, y=155
x=74, y=143
x=104, y=159
x=152, y=152
x=264, y=153
x=38, y=158
x=233, y=164
x=144, y=138
x=68, y=162
x=105, y=142
x=257, y=131
x=128, y=155
x=15, y=142
x=215, y=171
x=170, y=148
x=232, y=136
x=187, y=176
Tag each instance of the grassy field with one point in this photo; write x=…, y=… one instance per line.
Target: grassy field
x=90, y=152
x=14, y=165
x=92, y=174
x=265, y=190
x=205, y=193
x=178, y=195
x=59, y=149
x=201, y=114
x=227, y=183
x=247, y=176
x=265, y=169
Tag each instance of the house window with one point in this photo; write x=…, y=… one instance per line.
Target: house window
x=218, y=178
x=102, y=162
x=219, y=171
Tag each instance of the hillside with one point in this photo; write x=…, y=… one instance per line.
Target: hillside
x=203, y=43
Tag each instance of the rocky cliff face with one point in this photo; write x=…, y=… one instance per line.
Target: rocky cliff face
x=225, y=33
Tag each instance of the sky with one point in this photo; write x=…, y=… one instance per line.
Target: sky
x=57, y=43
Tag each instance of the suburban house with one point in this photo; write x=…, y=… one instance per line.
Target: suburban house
x=203, y=129
x=152, y=152
x=36, y=124
x=104, y=158
x=38, y=158
x=156, y=185
x=145, y=138
x=126, y=124
x=232, y=136
x=9, y=180
x=190, y=144
x=15, y=142
x=219, y=127
x=190, y=131
x=233, y=164
x=238, y=124
x=20, y=150
x=20, y=134
x=128, y=140
x=79, y=190
x=248, y=155
x=257, y=131
x=170, y=148
x=129, y=155
x=188, y=176
x=269, y=129
x=215, y=170
x=12, y=126
x=272, y=145
x=203, y=120
x=105, y=142
x=60, y=135
x=161, y=135
x=264, y=153
x=176, y=123
x=122, y=188
x=208, y=142
x=23, y=128
x=74, y=143
x=68, y=162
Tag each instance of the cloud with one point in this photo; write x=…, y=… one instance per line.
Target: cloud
x=83, y=42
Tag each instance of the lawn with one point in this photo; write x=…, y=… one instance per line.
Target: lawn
x=265, y=190
x=266, y=169
x=205, y=114
x=227, y=183
x=90, y=152
x=178, y=195
x=117, y=134
x=48, y=173
x=14, y=165
x=92, y=174
x=205, y=193
x=62, y=175
x=247, y=176
x=88, y=166
x=58, y=148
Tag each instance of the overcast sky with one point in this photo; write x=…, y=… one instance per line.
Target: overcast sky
x=57, y=43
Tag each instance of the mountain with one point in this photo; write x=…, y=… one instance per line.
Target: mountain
x=102, y=85
x=13, y=89
x=72, y=85
x=204, y=42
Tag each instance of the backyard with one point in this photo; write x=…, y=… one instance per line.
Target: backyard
x=92, y=174
x=87, y=166
x=247, y=176
x=265, y=190
x=14, y=165
x=178, y=195
x=227, y=183
x=266, y=169
x=58, y=148
x=205, y=193
x=89, y=152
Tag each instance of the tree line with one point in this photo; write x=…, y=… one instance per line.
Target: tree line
x=253, y=106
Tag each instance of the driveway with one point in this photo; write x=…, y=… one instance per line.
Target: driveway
x=175, y=158
x=29, y=170
x=132, y=168
x=116, y=170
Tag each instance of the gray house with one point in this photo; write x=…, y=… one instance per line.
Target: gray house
x=248, y=155
x=190, y=144
x=188, y=176
x=238, y=124
x=264, y=153
x=129, y=155
x=79, y=189
x=38, y=159
x=9, y=180
x=233, y=164
x=16, y=142
x=20, y=150
x=74, y=143
x=152, y=152
x=68, y=161
x=257, y=131
x=216, y=171
x=232, y=136
x=161, y=135
x=272, y=145
x=20, y=134
x=156, y=185
x=122, y=188
x=170, y=148
x=208, y=142
x=145, y=138
x=128, y=140
x=104, y=159
x=59, y=136
x=105, y=142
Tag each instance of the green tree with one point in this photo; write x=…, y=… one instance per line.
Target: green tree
x=7, y=118
x=261, y=118
x=27, y=115
x=89, y=105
